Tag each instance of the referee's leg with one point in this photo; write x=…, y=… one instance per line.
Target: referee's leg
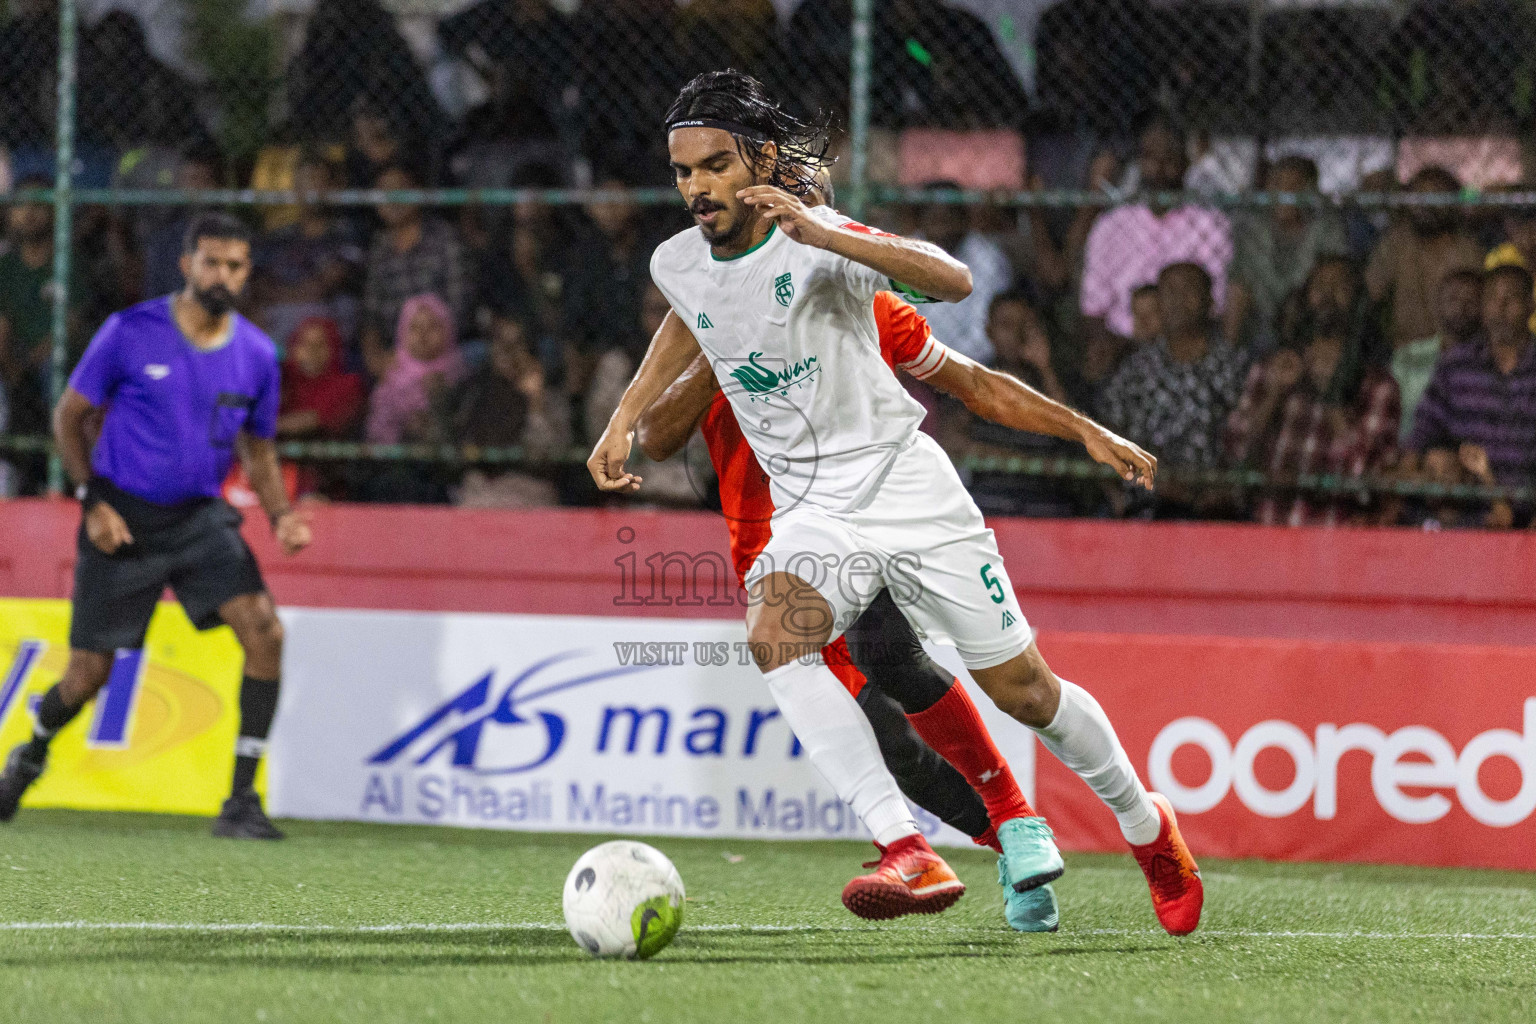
x=254, y=620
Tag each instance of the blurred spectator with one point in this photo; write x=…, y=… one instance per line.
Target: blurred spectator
x=1146, y=315
x=616, y=365
x=527, y=42
x=629, y=71
x=307, y=268
x=1412, y=257
x=412, y=255
x=1519, y=250
x=936, y=64
x=1273, y=253
x=321, y=401
x=129, y=98
x=199, y=170
x=608, y=267
x=1131, y=244
x=670, y=482
x=374, y=146
x=507, y=133
x=1024, y=350
x=1451, y=468
x=1314, y=408
x=963, y=325
x=1172, y=395
x=426, y=365
x=1483, y=391
x=520, y=272
x=26, y=311
x=29, y=43
x=354, y=50
x=506, y=403
x=1459, y=316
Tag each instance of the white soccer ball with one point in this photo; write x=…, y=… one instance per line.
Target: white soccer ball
x=623, y=899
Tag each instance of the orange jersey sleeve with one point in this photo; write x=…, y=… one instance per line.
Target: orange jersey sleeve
x=906, y=341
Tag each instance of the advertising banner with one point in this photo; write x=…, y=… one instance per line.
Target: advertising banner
x=1294, y=750
x=557, y=723
x=159, y=737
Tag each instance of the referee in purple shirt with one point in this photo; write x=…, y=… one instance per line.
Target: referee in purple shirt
x=185, y=383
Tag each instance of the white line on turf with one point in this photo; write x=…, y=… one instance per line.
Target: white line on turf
x=491, y=926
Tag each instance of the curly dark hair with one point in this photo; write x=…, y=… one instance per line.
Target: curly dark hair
x=739, y=98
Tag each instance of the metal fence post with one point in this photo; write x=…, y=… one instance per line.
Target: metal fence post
x=64, y=158
x=858, y=106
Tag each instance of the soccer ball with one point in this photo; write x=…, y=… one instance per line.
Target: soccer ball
x=623, y=899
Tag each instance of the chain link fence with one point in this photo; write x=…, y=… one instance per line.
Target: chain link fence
x=1326, y=165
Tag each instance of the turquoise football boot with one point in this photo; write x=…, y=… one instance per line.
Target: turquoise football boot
x=1030, y=858
x=1033, y=910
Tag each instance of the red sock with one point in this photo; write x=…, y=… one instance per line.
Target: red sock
x=989, y=839
x=954, y=728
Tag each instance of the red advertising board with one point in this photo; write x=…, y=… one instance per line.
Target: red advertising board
x=1300, y=750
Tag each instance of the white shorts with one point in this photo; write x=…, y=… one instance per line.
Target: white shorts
x=918, y=535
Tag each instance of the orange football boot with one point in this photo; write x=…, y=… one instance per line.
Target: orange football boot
x=1172, y=874
x=909, y=878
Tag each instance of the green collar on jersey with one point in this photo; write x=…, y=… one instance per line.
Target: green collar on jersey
x=726, y=259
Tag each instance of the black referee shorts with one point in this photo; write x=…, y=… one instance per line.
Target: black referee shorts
x=200, y=556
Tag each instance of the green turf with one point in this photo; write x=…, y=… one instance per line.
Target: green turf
x=730, y=963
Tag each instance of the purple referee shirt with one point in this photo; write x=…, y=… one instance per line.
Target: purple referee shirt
x=1468, y=399
x=174, y=410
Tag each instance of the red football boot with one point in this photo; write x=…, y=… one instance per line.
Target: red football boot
x=909, y=878
x=1172, y=874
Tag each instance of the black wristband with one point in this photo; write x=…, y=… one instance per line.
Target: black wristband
x=89, y=494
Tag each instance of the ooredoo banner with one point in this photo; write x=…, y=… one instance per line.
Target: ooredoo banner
x=1285, y=749
x=551, y=723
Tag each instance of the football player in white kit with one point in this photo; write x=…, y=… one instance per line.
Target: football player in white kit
x=779, y=296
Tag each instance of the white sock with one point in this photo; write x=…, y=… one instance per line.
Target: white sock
x=1082, y=739
x=841, y=744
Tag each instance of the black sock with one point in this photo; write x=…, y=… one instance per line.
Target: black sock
x=52, y=715
x=258, y=703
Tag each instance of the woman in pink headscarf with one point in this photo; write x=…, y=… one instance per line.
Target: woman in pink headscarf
x=427, y=362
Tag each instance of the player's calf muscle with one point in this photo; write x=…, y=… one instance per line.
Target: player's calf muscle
x=1023, y=688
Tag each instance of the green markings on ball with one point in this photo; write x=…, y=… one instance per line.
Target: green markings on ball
x=655, y=922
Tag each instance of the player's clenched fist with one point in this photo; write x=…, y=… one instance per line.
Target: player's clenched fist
x=606, y=464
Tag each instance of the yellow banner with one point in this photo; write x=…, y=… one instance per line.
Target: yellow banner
x=159, y=737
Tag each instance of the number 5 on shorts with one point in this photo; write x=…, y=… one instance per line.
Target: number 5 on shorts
x=994, y=585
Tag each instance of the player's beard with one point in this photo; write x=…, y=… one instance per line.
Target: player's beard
x=216, y=299
x=729, y=236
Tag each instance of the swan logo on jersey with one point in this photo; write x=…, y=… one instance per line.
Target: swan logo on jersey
x=784, y=289
x=761, y=382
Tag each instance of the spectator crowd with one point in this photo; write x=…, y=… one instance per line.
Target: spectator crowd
x=1293, y=339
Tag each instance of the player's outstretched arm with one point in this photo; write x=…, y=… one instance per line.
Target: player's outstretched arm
x=921, y=266
x=671, y=350
x=259, y=455
x=1009, y=402
x=666, y=426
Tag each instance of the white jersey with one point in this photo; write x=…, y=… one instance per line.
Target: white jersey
x=790, y=331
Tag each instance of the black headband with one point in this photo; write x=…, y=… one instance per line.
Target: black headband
x=734, y=127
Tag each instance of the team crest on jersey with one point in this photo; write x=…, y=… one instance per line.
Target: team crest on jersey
x=758, y=381
x=784, y=289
